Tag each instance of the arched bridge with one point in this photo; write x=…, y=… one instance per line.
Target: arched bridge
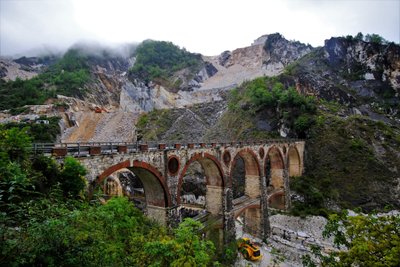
x=161, y=169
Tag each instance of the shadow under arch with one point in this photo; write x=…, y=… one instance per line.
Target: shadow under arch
x=241, y=211
x=155, y=187
x=277, y=200
x=274, y=172
x=251, y=219
x=214, y=180
x=294, y=163
x=252, y=172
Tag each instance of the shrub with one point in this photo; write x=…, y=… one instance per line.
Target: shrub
x=160, y=59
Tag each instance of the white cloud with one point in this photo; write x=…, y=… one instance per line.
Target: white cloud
x=207, y=26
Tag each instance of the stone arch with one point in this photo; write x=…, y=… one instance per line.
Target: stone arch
x=274, y=168
x=156, y=189
x=252, y=219
x=242, y=210
x=252, y=172
x=275, y=175
x=277, y=200
x=214, y=180
x=294, y=162
x=113, y=186
x=211, y=166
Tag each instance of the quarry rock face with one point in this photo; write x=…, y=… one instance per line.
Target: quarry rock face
x=371, y=61
x=267, y=56
x=343, y=71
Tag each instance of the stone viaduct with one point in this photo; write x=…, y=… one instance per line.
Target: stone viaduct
x=161, y=168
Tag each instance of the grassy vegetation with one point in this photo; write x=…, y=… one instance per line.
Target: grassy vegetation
x=269, y=93
x=152, y=125
x=239, y=124
x=350, y=162
x=66, y=77
x=159, y=60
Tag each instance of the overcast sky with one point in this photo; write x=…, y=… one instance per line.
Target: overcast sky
x=207, y=26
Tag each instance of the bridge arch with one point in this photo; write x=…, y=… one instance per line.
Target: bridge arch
x=275, y=174
x=156, y=189
x=251, y=219
x=294, y=161
x=214, y=180
x=252, y=172
x=241, y=211
x=277, y=200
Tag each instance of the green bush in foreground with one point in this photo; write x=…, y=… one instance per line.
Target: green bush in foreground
x=363, y=240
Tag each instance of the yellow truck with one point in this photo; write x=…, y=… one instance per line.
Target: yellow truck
x=249, y=250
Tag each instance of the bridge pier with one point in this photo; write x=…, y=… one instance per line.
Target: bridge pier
x=159, y=214
x=265, y=225
x=228, y=217
x=173, y=216
x=252, y=186
x=288, y=202
x=214, y=199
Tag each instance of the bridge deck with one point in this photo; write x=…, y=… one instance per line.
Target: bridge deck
x=106, y=148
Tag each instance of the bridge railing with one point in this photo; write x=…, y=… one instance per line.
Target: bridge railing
x=81, y=149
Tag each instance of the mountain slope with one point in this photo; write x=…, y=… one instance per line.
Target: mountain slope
x=353, y=136
x=343, y=98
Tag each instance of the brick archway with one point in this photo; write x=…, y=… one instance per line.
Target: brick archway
x=240, y=212
x=274, y=166
x=252, y=219
x=214, y=180
x=212, y=169
x=252, y=171
x=275, y=173
x=294, y=161
x=277, y=200
x=252, y=167
x=156, y=189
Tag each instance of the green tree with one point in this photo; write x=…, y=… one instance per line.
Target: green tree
x=15, y=181
x=359, y=36
x=72, y=178
x=71, y=233
x=187, y=248
x=15, y=143
x=370, y=240
x=375, y=38
x=160, y=59
x=67, y=77
x=48, y=172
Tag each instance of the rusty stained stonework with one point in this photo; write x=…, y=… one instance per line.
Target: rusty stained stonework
x=268, y=167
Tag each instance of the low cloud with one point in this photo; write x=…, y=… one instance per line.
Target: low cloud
x=208, y=27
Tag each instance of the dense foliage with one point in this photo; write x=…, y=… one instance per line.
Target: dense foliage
x=45, y=219
x=373, y=38
x=158, y=60
x=66, y=77
x=39, y=132
x=24, y=177
x=363, y=240
x=344, y=166
x=270, y=93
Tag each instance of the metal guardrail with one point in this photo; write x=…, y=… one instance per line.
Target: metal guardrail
x=95, y=148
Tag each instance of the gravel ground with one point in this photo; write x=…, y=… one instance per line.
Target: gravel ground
x=102, y=127
x=269, y=256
